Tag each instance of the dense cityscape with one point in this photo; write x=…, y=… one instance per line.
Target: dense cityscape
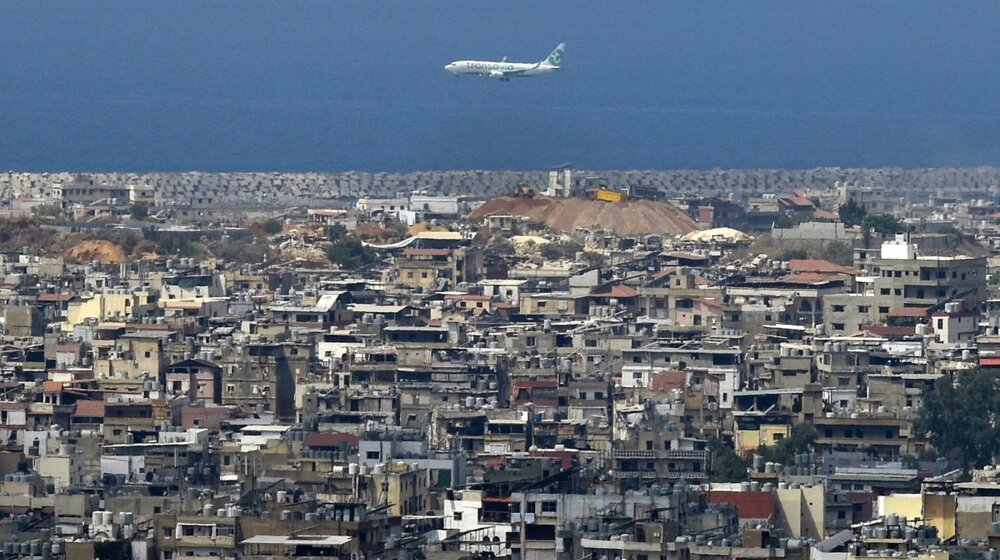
x=563, y=364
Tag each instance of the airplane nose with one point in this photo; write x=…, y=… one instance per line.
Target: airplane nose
x=448, y=67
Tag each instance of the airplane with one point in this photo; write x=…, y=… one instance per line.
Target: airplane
x=504, y=70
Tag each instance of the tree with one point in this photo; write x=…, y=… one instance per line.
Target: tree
x=727, y=466
x=800, y=440
x=793, y=254
x=274, y=226
x=884, y=224
x=336, y=232
x=349, y=253
x=961, y=418
x=53, y=210
x=852, y=213
x=838, y=252
x=139, y=211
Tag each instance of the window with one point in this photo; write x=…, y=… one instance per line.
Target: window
x=149, y=354
x=884, y=291
x=862, y=309
x=457, y=516
x=373, y=455
x=838, y=308
x=838, y=326
x=548, y=507
x=883, y=309
x=168, y=532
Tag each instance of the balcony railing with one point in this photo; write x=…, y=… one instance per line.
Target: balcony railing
x=658, y=454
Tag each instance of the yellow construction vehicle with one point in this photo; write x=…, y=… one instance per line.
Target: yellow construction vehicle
x=607, y=195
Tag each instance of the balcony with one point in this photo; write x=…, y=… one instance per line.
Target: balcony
x=659, y=454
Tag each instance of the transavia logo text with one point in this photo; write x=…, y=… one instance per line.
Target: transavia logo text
x=490, y=66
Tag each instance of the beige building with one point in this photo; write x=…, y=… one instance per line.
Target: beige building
x=104, y=306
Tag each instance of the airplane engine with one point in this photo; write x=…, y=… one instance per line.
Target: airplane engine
x=496, y=74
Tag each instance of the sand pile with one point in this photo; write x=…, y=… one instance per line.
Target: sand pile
x=96, y=251
x=633, y=217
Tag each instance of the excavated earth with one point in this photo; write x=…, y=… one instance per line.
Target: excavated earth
x=633, y=217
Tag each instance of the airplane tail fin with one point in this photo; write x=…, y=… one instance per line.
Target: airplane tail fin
x=555, y=58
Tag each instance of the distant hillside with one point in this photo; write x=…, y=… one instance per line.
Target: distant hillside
x=634, y=217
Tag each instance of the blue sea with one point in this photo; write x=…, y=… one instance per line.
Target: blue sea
x=223, y=85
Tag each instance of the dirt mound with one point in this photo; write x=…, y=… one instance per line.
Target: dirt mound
x=633, y=217
x=96, y=251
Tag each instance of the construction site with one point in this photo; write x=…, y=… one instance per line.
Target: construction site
x=566, y=206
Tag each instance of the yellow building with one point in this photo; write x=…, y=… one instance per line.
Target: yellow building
x=105, y=306
x=766, y=435
x=802, y=511
x=937, y=510
x=403, y=487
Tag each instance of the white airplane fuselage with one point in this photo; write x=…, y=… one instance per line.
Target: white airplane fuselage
x=496, y=69
x=504, y=70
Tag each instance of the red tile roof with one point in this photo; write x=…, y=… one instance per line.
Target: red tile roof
x=820, y=214
x=616, y=291
x=89, y=409
x=796, y=201
x=668, y=380
x=819, y=265
x=908, y=312
x=989, y=362
x=330, y=439
x=748, y=505
x=51, y=387
x=891, y=332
